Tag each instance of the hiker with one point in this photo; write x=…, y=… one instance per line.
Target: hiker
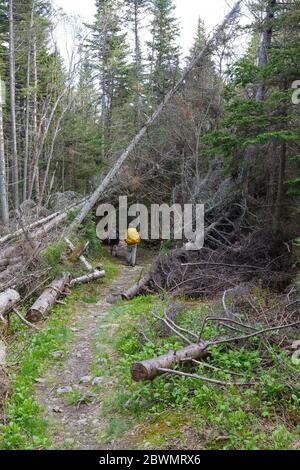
x=132, y=241
x=113, y=242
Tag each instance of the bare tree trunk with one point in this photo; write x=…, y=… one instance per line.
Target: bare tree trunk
x=3, y=181
x=137, y=47
x=137, y=139
x=280, y=187
x=27, y=115
x=38, y=153
x=264, y=46
x=261, y=61
x=15, y=166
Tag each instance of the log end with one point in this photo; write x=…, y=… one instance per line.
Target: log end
x=139, y=372
x=34, y=316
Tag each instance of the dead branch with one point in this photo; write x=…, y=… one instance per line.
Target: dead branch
x=31, y=325
x=205, y=379
x=79, y=254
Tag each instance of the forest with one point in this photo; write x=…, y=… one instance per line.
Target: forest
x=149, y=343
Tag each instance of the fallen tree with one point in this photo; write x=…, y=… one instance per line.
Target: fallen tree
x=151, y=368
x=19, y=233
x=48, y=298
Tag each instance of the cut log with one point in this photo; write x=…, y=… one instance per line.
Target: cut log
x=79, y=254
x=48, y=298
x=8, y=299
x=137, y=288
x=149, y=369
x=87, y=278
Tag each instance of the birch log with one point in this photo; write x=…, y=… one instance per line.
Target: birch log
x=48, y=298
x=152, y=120
x=88, y=278
x=149, y=369
x=8, y=299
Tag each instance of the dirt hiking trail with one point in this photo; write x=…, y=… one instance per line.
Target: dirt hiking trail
x=71, y=409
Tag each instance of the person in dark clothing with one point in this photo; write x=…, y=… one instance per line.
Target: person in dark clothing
x=113, y=242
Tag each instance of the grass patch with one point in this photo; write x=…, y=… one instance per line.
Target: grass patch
x=26, y=428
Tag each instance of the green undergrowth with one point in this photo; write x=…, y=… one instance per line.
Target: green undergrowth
x=30, y=355
x=263, y=416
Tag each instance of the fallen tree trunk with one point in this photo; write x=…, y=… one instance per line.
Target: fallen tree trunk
x=10, y=261
x=149, y=369
x=80, y=256
x=43, y=304
x=18, y=233
x=87, y=278
x=137, y=288
x=216, y=36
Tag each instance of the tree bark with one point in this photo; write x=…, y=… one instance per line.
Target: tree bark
x=137, y=139
x=48, y=298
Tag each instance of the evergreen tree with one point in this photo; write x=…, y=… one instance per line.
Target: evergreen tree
x=136, y=10
x=164, y=50
x=109, y=57
x=199, y=39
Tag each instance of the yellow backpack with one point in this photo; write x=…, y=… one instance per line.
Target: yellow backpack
x=132, y=237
